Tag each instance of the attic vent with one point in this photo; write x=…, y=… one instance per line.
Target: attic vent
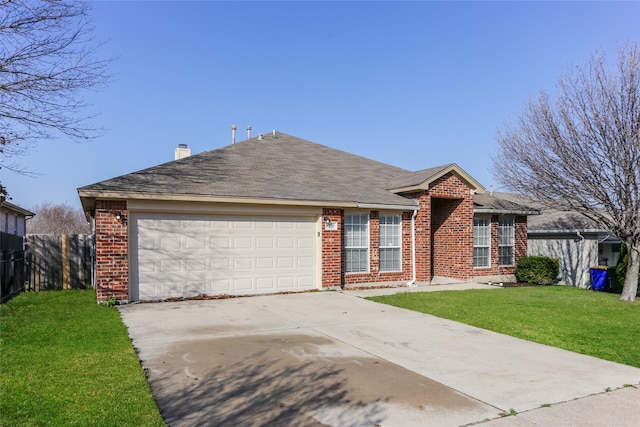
x=181, y=152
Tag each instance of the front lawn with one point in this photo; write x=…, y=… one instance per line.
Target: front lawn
x=67, y=361
x=586, y=322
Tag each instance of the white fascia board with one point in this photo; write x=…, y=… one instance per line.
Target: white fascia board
x=131, y=196
x=505, y=211
x=386, y=207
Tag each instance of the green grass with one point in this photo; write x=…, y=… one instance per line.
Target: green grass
x=586, y=322
x=67, y=361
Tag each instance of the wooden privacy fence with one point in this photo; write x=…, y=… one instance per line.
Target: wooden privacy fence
x=59, y=261
x=13, y=266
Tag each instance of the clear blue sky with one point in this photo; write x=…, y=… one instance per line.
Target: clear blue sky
x=412, y=84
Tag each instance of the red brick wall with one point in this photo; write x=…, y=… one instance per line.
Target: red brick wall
x=520, y=248
x=330, y=248
x=445, y=233
x=452, y=225
x=423, y=237
x=520, y=238
x=332, y=259
x=112, y=251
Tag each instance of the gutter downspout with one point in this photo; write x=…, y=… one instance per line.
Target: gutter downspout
x=412, y=282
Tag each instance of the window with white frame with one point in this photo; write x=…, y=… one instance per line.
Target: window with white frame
x=505, y=241
x=356, y=243
x=390, y=242
x=481, y=241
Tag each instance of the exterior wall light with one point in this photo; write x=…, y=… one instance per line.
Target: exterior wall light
x=329, y=225
x=120, y=217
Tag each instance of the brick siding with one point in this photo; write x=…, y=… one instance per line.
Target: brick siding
x=112, y=251
x=332, y=259
x=519, y=250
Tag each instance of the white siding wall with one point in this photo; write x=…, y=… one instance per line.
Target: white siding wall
x=575, y=254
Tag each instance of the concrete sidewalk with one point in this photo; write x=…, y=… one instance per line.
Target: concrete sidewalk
x=390, y=366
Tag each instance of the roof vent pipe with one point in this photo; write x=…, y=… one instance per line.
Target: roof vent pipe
x=248, y=132
x=233, y=133
x=274, y=133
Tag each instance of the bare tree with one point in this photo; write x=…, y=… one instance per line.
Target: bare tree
x=57, y=219
x=47, y=58
x=580, y=150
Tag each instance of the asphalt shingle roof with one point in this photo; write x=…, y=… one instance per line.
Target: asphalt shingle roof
x=268, y=167
x=550, y=219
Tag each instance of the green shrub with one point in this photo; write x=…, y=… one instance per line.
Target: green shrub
x=538, y=270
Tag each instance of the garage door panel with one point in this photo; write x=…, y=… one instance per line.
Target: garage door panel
x=243, y=264
x=196, y=243
x=286, y=263
x=218, y=264
x=243, y=284
x=265, y=283
x=305, y=243
x=196, y=265
x=286, y=282
x=285, y=243
x=219, y=242
x=195, y=255
x=242, y=242
x=264, y=243
x=220, y=286
x=305, y=262
x=264, y=263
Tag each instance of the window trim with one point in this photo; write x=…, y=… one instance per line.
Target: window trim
x=397, y=247
x=487, y=246
x=365, y=249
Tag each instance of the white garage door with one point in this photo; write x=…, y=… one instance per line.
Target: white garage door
x=186, y=256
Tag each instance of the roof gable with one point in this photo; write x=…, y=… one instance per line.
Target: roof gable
x=420, y=180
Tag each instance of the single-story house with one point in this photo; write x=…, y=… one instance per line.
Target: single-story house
x=277, y=213
x=578, y=242
x=13, y=218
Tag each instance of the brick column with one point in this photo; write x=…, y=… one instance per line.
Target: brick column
x=112, y=250
x=332, y=259
x=374, y=242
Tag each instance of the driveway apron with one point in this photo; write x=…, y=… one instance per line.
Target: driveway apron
x=329, y=358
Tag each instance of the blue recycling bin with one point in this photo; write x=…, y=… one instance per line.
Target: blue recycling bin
x=599, y=279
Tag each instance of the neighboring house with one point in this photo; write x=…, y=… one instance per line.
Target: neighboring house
x=277, y=214
x=13, y=219
x=576, y=241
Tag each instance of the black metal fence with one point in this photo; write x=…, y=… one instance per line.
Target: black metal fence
x=13, y=265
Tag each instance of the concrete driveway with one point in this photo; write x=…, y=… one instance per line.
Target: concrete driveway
x=331, y=358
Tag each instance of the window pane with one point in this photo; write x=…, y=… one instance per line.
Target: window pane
x=357, y=260
x=481, y=257
x=356, y=242
x=481, y=242
x=506, y=255
x=390, y=242
x=389, y=259
x=505, y=241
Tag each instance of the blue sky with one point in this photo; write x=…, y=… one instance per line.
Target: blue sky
x=412, y=84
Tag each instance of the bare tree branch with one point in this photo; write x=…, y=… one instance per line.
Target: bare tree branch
x=580, y=151
x=47, y=58
x=57, y=219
